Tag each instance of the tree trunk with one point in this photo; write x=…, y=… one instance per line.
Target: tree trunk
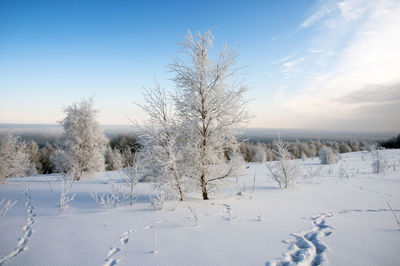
x=180, y=194
x=131, y=197
x=204, y=186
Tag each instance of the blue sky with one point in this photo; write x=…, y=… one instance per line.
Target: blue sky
x=303, y=58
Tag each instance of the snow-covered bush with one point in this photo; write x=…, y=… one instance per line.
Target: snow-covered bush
x=110, y=200
x=379, y=164
x=261, y=154
x=14, y=160
x=355, y=145
x=313, y=171
x=82, y=140
x=283, y=171
x=59, y=161
x=67, y=180
x=131, y=176
x=247, y=150
x=194, y=214
x=33, y=152
x=157, y=200
x=45, y=159
x=343, y=172
x=344, y=148
x=113, y=159
x=327, y=155
x=372, y=147
x=211, y=103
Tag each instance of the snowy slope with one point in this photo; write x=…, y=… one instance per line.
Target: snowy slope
x=325, y=219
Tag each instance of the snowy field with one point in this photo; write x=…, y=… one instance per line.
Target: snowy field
x=337, y=215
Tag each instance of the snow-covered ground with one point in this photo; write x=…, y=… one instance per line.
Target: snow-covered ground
x=340, y=216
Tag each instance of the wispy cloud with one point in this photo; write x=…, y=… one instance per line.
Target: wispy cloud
x=282, y=60
x=381, y=93
x=315, y=51
x=324, y=10
x=291, y=66
x=334, y=13
x=369, y=55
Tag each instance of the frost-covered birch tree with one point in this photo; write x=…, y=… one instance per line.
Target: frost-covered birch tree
x=210, y=101
x=82, y=140
x=162, y=151
x=14, y=161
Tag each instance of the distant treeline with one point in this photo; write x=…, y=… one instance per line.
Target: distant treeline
x=393, y=143
x=42, y=149
x=261, y=152
x=118, y=154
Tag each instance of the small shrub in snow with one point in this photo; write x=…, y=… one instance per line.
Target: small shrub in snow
x=5, y=207
x=327, y=155
x=393, y=165
x=67, y=181
x=131, y=176
x=194, y=214
x=313, y=172
x=371, y=147
x=343, y=173
x=261, y=154
x=283, y=171
x=394, y=214
x=110, y=200
x=157, y=201
x=379, y=165
x=242, y=189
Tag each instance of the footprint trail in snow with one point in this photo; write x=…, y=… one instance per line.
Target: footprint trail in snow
x=307, y=248
x=22, y=243
x=123, y=240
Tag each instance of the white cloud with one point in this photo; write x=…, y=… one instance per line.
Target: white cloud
x=284, y=59
x=324, y=10
x=315, y=51
x=333, y=13
x=291, y=66
x=370, y=57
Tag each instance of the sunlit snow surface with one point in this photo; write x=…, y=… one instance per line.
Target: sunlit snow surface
x=340, y=216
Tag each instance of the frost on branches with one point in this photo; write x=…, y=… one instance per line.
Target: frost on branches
x=162, y=146
x=82, y=140
x=14, y=159
x=211, y=104
x=283, y=171
x=327, y=155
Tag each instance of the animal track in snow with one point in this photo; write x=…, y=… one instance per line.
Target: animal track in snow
x=155, y=223
x=307, y=248
x=27, y=229
x=123, y=240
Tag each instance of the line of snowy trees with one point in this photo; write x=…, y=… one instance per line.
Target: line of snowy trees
x=262, y=152
x=20, y=158
x=23, y=158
